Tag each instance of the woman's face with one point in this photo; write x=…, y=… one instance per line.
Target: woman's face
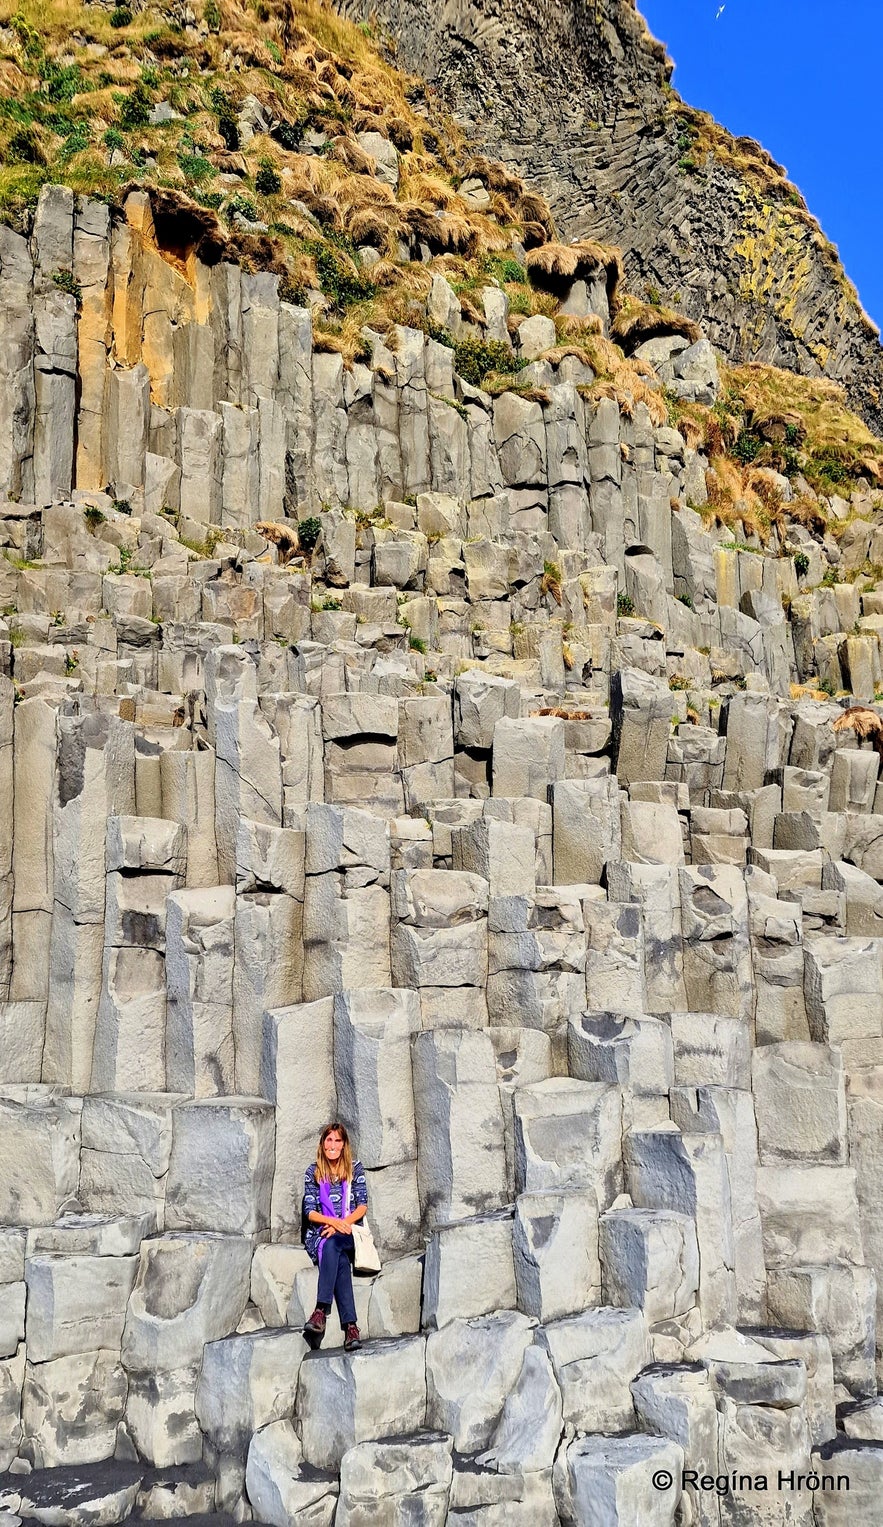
x=333, y=1146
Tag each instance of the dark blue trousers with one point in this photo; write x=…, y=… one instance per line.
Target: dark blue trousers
x=336, y=1276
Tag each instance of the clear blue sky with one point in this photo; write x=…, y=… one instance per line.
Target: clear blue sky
x=805, y=79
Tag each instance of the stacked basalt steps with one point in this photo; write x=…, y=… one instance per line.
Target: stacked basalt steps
x=574, y=917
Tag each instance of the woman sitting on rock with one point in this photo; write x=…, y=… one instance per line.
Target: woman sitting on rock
x=335, y=1198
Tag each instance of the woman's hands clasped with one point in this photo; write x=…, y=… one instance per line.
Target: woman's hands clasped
x=339, y=1226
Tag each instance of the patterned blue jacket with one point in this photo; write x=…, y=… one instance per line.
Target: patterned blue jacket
x=358, y=1195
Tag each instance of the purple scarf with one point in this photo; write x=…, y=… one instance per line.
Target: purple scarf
x=328, y=1208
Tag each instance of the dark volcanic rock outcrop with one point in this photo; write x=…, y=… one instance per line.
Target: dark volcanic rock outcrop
x=577, y=96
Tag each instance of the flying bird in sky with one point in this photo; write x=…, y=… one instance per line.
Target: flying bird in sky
x=720, y=13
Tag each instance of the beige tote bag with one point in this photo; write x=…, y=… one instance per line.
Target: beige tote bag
x=367, y=1257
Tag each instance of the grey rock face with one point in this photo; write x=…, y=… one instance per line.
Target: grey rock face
x=595, y=1356
x=612, y=1473
x=555, y=1244
x=72, y=1407
x=189, y=1289
x=343, y=1400
x=405, y=1482
x=281, y=1486
x=471, y=1366
x=76, y=1303
x=246, y=1383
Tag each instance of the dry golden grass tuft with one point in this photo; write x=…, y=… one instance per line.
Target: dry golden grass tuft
x=571, y=330
x=373, y=225
x=766, y=484
x=561, y=711
x=470, y=312
x=495, y=176
x=454, y=231
x=354, y=157
x=731, y=502
x=628, y=391
x=550, y=583
x=626, y=382
x=829, y=428
x=534, y=209
x=865, y=723
x=421, y=184
x=491, y=236
x=568, y=351
x=498, y=382
x=693, y=433
x=556, y=265
x=636, y=322
x=504, y=211
x=344, y=337
x=389, y=273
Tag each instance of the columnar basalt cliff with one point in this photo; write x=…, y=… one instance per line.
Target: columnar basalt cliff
x=576, y=96
x=495, y=819
x=435, y=692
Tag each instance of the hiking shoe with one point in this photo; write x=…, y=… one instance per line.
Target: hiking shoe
x=351, y=1339
x=314, y=1330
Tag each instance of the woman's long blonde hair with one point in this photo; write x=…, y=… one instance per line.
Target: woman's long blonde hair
x=324, y=1170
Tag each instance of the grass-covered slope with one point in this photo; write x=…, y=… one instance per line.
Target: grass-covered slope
x=219, y=106
x=252, y=118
